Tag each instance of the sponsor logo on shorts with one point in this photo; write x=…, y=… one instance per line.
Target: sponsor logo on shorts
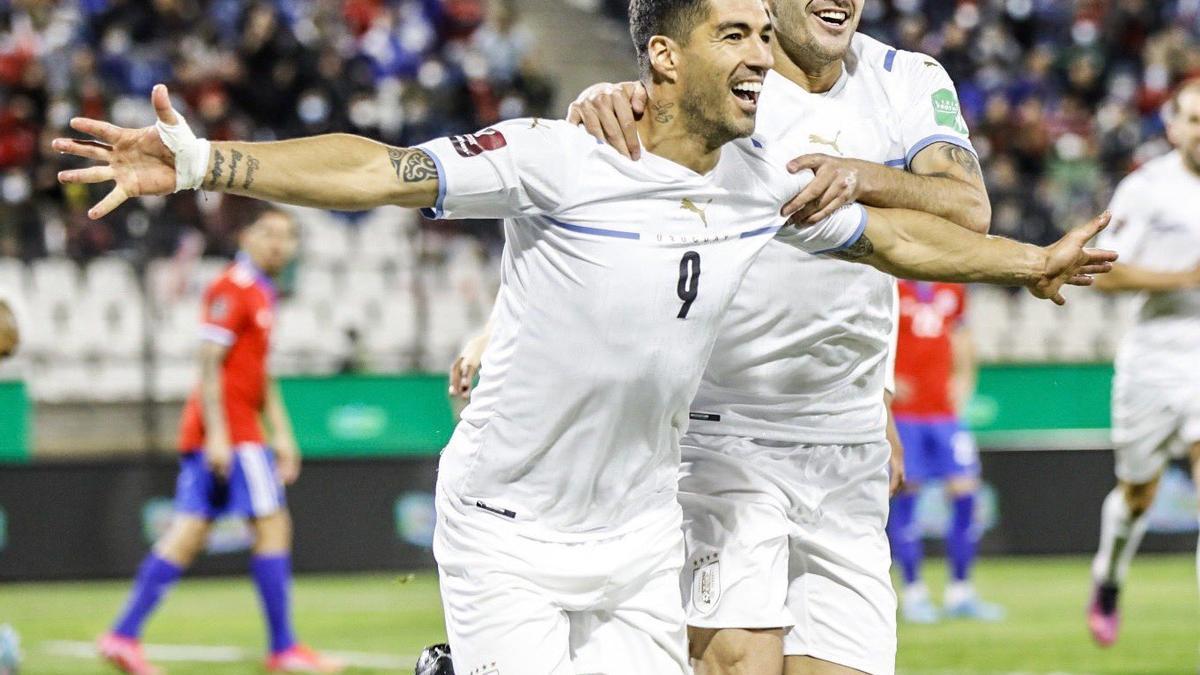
x=706, y=582
x=470, y=145
x=486, y=669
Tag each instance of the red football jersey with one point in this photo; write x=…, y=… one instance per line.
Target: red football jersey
x=929, y=313
x=238, y=310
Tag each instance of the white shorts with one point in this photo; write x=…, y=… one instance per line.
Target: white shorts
x=1152, y=423
x=520, y=606
x=780, y=535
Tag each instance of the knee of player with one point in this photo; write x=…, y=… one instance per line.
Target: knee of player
x=732, y=652
x=1139, y=497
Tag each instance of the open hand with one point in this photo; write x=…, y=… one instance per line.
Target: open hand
x=836, y=182
x=610, y=113
x=1069, y=261
x=136, y=159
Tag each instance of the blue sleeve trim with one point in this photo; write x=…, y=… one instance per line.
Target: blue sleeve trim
x=598, y=231
x=438, y=211
x=938, y=138
x=889, y=60
x=899, y=163
x=853, y=239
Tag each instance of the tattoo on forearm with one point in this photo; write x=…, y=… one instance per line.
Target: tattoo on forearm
x=235, y=157
x=662, y=112
x=412, y=166
x=963, y=158
x=218, y=160
x=859, y=249
x=251, y=167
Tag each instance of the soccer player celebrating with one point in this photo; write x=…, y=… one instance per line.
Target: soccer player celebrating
x=558, y=538
x=1156, y=398
x=935, y=378
x=791, y=412
x=226, y=465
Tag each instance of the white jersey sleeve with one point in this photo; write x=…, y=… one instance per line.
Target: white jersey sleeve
x=927, y=102
x=1130, y=220
x=840, y=230
x=521, y=167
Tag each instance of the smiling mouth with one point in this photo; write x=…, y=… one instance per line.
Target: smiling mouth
x=835, y=18
x=747, y=91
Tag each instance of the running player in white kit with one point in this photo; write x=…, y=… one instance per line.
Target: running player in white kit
x=785, y=480
x=558, y=538
x=1156, y=394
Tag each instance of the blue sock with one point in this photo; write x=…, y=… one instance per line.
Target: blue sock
x=273, y=577
x=905, y=536
x=960, y=541
x=154, y=578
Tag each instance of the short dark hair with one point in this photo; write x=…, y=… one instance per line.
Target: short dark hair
x=257, y=210
x=1187, y=86
x=675, y=19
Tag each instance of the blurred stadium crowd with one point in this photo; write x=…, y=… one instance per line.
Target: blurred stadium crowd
x=401, y=72
x=1063, y=98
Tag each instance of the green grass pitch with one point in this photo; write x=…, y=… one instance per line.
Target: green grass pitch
x=382, y=621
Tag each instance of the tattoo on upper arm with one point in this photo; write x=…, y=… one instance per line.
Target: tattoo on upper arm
x=412, y=166
x=859, y=249
x=964, y=158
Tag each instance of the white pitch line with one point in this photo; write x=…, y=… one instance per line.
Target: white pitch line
x=226, y=654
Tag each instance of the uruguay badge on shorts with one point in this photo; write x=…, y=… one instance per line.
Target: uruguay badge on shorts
x=706, y=582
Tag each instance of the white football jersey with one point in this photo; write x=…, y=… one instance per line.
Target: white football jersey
x=1155, y=226
x=802, y=353
x=614, y=276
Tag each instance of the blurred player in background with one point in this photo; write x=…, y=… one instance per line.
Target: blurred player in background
x=1156, y=393
x=786, y=461
x=935, y=379
x=10, y=334
x=227, y=466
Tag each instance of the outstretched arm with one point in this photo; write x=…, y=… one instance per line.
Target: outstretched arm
x=917, y=245
x=336, y=171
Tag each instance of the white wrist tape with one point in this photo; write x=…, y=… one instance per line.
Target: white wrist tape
x=191, y=153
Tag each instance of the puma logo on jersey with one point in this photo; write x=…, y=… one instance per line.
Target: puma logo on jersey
x=536, y=123
x=813, y=138
x=689, y=205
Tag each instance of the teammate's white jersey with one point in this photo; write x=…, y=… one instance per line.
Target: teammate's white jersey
x=802, y=352
x=613, y=279
x=1155, y=226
